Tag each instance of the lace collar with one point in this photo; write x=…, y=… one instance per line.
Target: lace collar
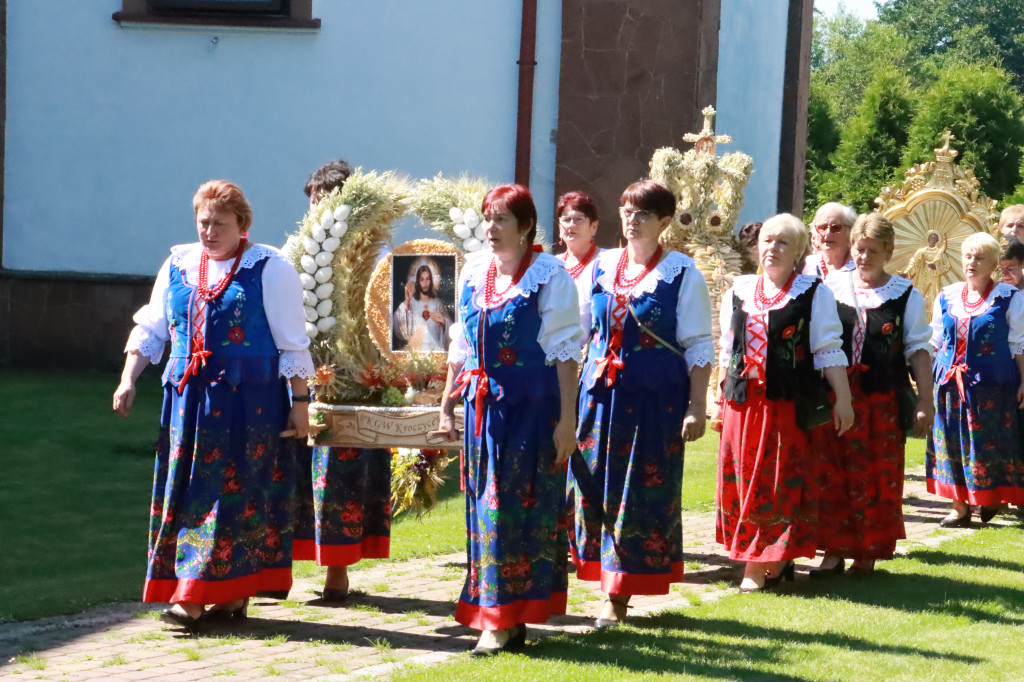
x=743, y=287
x=665, y=271
x=841, y=284
x=185, y=257
x=954, y=303
x=474, y=273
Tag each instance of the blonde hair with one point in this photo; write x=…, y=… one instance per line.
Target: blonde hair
x=874, y=226
x=793, y=226
x=1008, y=212
x=984, y=242
x=847, y=213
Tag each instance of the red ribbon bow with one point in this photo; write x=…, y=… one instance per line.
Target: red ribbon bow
x=750, y=363
x=483, y=387
x=610, y=363
x=859, y=367
x=957, y=372
x=197, y=360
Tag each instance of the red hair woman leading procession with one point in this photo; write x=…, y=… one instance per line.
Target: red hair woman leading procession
x=513, y=357
x=778, y=330
x=232, y=312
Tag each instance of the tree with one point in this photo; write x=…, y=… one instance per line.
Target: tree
x=983, y=109
x=871, y=143
x=983, y=30
x=822, y=139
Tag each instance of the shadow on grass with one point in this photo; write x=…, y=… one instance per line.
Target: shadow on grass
x=717, y=649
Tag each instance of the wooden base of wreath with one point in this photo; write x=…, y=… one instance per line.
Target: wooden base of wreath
x=369, y=426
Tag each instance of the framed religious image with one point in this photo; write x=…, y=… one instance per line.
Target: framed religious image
x=410, y=303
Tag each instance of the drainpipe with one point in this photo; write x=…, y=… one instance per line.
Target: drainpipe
x=524, y=115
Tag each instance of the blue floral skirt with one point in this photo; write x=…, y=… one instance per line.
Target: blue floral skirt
x=975, y=449
x=517, y=542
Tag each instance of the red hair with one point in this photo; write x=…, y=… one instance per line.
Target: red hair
x=226, y=196
x=518, y=201
x=576, y=201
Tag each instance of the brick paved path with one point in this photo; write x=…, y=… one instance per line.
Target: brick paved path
x=403, y=611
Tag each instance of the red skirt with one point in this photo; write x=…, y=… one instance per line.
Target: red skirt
x=861, y=481
x=767, y=481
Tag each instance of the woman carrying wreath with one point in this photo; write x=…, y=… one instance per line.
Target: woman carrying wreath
x=974, y=454
x=232, y=312
x=514, y=356
x=642, y=396
x=885, y=329
x=780, y=332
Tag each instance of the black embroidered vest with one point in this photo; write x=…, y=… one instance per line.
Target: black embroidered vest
x=789, y=364
x=883, y=344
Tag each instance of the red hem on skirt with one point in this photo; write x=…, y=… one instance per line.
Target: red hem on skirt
x=616, y=582
x=979, y=498
x=512, y=614
x=371, y=547
x=216, y=591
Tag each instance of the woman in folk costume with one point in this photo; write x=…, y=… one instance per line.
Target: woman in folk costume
x=831, y=237
x=577, y=226
x=974, y=454
x=885, y=329
x=780, y=332
x=642, y=395
x=514, y=357
x=232, y=311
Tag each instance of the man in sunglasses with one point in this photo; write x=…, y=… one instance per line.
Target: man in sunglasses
x=830, y=235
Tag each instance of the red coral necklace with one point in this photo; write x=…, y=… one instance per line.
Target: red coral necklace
x=575, y=270
x=762, y=301
x=203, y=290
x=492, y=297
x=624, y=285
x=970, y=308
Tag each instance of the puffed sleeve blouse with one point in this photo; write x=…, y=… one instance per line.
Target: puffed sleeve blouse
x=1014, y=315
x=282, y=301
x=560, y=334
x=826, y=331
x=916, y=332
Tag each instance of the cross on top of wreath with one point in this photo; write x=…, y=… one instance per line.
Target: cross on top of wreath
x=705, y=141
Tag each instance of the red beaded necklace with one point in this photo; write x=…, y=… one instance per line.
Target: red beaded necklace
x=762, y=301
x=203, y=291
x=624, y=285
x=973, y=307
x=575, y=270
x=492, y=297
x=824, y=268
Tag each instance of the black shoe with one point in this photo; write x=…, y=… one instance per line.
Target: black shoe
x=820, y=572
x=172, y=617
x=986, y=514
x=788, y=571
x=273, y=594
x=220, y=615
x=333, y=596
x=957, y=522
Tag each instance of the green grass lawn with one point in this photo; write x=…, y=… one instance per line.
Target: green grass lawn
x=74, y=491
x=956, y=613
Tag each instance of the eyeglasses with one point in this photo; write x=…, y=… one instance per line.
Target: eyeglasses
x=834, y=228
x=640, y=214
x=572, y=219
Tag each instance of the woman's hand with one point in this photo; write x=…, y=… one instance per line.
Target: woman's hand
x=565, y=440
x=842, y=415
x=446, y=424
x=694, y=423
x=124, y=398
x=924, y=415
x=298, y=420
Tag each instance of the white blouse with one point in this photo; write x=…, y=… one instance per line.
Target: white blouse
x=560, y=336
x=825, y=328
x=916, y=332
x=812, y=266
x=1014, y=316
x=584, y=283
x=693, y=307
x=282, y=302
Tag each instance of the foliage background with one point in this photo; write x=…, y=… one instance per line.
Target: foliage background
x=883, y=91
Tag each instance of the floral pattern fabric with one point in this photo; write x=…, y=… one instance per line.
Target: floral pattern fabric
x=348, y=514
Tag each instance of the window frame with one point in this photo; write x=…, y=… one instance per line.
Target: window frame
x=289, y=13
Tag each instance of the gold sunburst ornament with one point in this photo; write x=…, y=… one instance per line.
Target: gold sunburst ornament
x=938, y=205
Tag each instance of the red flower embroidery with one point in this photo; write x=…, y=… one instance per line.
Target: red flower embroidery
x=887, y=328
x=223, y=551
x=250, y=511
x=799, y=353
x=347, y=453
x=236, y=335
x=788, y=331
x=232, y=486
x=278, y=475
x=507, y=356
x=273, y=537
x=646, y=340
x=986, y=349
x=320, y=483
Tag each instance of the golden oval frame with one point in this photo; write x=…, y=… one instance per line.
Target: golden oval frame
x=379, y=303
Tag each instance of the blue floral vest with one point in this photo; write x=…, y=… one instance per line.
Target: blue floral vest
x=988, y=356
